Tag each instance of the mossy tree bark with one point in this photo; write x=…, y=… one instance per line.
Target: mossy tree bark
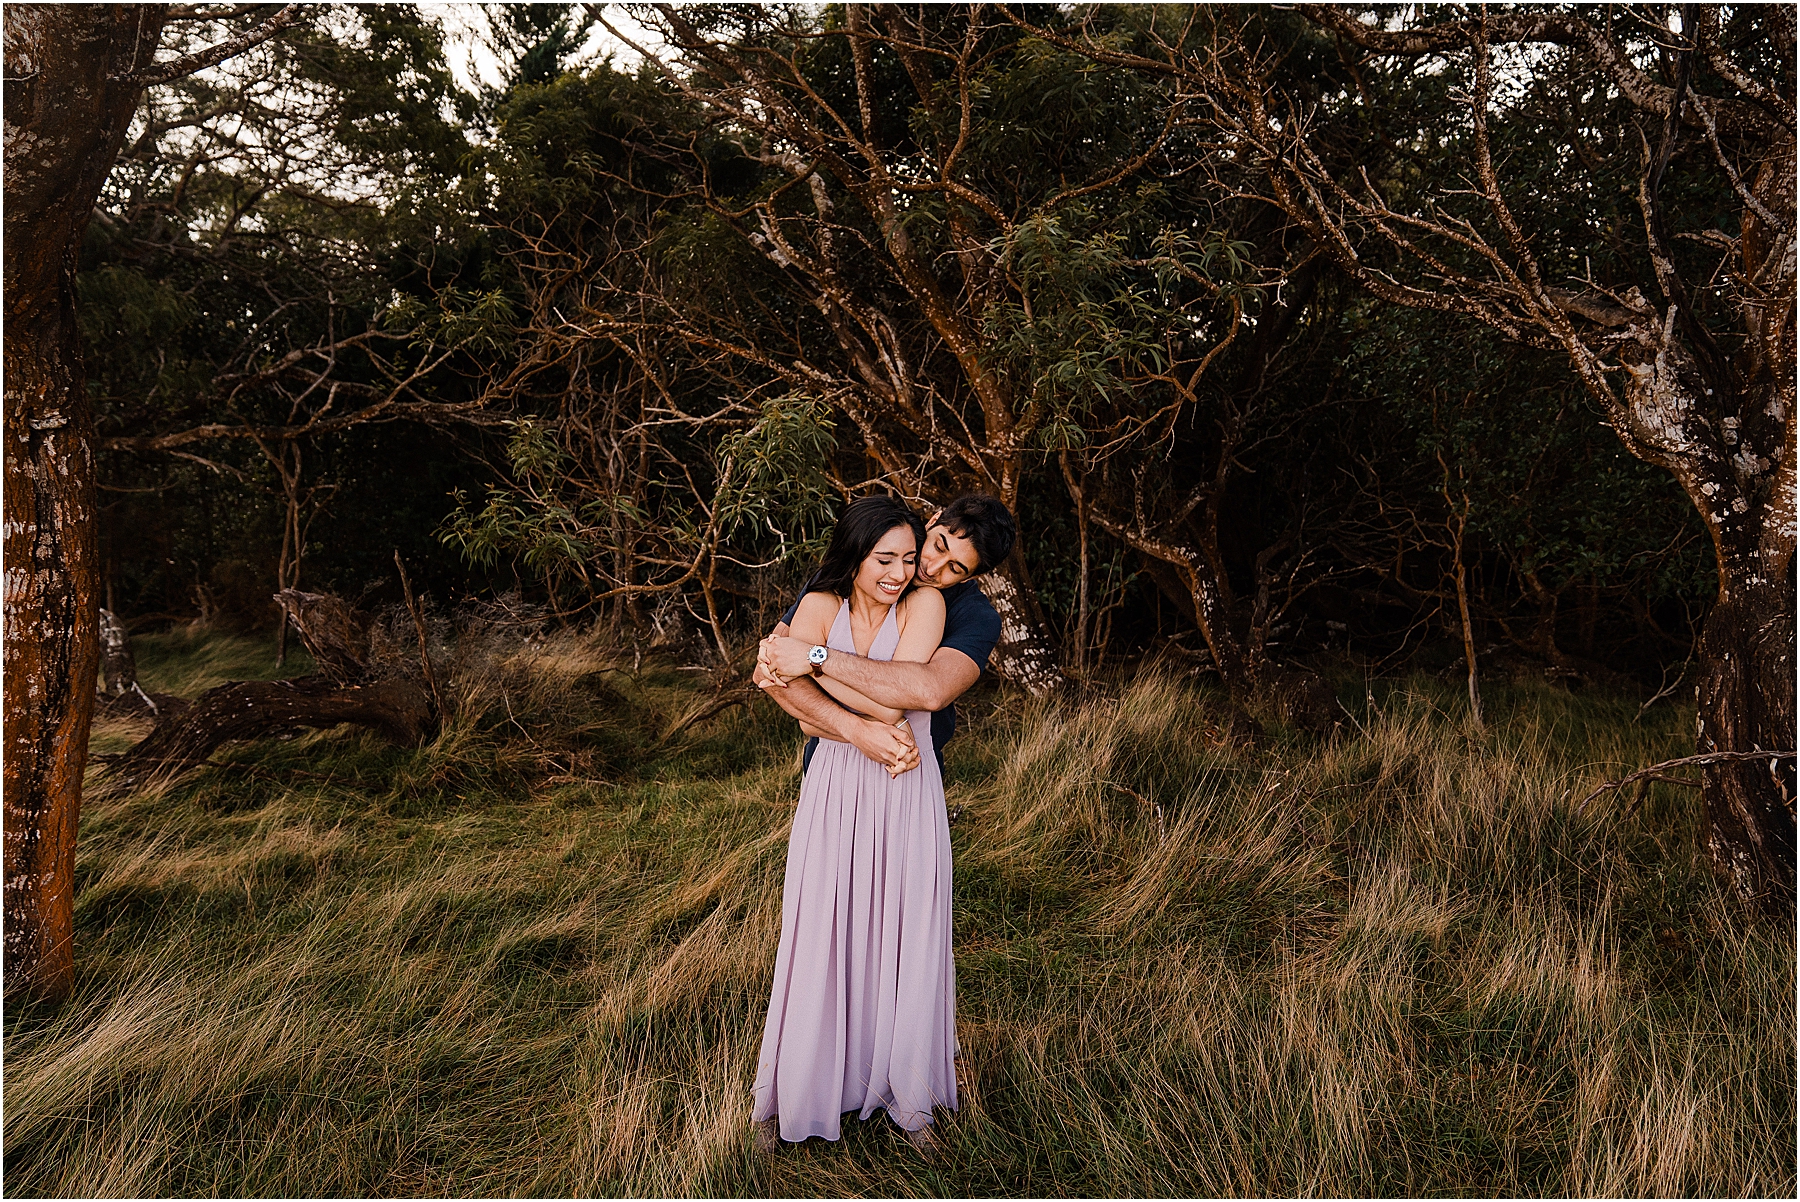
x=69, y=97
x=74, y=74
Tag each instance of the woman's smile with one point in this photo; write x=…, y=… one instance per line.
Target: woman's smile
x=888, y=568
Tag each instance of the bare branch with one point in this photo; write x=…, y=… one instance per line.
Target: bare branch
x=187, y=64
x=1659, y=771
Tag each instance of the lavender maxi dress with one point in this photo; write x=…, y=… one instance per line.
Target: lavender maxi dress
x=863, y=1010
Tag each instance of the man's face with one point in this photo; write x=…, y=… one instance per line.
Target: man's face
x=946, y=558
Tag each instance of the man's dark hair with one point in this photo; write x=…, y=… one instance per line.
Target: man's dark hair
x=986, y=523
x=862, y=526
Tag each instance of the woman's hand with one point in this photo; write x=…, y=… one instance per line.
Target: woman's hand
x=784, y=658
x=766, y=675
x=893, y=747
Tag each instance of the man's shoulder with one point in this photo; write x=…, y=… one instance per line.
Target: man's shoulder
x=965, y=603
x=971, y=623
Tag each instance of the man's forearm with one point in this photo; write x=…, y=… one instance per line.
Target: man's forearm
x=806, y=702
x=905, y=686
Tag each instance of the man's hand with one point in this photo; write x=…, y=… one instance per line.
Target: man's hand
x=893, y=747
x=785, y=658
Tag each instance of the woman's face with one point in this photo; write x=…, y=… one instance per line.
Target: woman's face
x=886, y=570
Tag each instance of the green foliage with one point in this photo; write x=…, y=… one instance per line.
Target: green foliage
x=269, y=209
x=1095, y=323
x=531, y=523
x=770, y=483
x=594, y=265
x=482, y=323
x=772, y=477
x=1565, y=505
x=535, y=39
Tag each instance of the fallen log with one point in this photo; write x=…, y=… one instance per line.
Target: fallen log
x=249, y=709
x=399, y=708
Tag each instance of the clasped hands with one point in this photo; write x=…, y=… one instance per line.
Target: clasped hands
x=782, y=659
x=779, y=660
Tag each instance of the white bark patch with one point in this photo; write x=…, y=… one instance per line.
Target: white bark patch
x=1022, y=655
x=1662, y=408
x=1748, y=465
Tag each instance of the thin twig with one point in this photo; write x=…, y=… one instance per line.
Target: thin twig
x=1656, y=772
x=737, y=698
x=418, y=617
x=1670, y=687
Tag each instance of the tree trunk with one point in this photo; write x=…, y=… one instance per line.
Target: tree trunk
x=1024, y=654
x=1264, y=689
x=118, y=667
x=1746, y=703
x=120, y=692
x=64, y=118
x=1261, y=689
x=1459, y=528
x=1728, y=438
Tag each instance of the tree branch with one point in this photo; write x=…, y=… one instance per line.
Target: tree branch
x=1659, y=771
x=199, y=60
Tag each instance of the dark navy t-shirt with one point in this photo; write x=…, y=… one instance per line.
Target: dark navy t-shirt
x=970, y=626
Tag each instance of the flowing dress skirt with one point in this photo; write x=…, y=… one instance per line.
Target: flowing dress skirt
x=863, y=1010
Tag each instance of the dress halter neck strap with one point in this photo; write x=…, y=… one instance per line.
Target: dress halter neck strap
x=880, y=647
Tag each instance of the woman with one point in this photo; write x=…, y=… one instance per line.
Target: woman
x=863, y=1010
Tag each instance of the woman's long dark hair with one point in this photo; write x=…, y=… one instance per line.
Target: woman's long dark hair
x=862, y=526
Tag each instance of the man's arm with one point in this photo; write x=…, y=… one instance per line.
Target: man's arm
x=811, y=623
x=818, y=714
x=928, y=686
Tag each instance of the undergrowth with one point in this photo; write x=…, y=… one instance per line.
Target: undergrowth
x=532, y=957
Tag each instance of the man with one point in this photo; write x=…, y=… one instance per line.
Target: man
x=968, y=537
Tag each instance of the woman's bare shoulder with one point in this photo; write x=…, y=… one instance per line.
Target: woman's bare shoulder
x=816, y=609
x=925, y=603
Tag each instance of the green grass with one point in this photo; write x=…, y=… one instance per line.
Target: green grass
x=533, y=957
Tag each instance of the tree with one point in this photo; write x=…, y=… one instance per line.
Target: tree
x=73, y=77
x=1543, y=108
x=624, y=485
x=251, y=288
x=903, y=154
x=877, y=210
x=1168, y=363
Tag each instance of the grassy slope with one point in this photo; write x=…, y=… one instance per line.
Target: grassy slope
x=533, y=958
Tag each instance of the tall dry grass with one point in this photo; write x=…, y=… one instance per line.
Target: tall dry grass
x=532, y=958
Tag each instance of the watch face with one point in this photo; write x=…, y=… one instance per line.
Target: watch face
x=816, y=655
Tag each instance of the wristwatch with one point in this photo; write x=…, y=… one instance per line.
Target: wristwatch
x=816, y=657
